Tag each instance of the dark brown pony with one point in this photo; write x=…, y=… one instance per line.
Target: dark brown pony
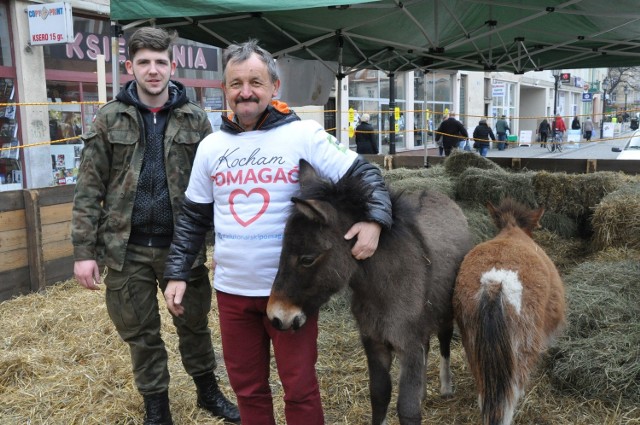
x=509, y=304
x=401, y=295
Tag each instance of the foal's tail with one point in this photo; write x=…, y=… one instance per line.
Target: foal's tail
x=494, y=357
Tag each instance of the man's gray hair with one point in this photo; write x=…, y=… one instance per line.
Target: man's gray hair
x=243, y=51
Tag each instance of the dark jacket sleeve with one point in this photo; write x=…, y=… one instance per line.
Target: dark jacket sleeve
x=374, y=142
x=379, y=202
x=194, y=222
x=463, y=131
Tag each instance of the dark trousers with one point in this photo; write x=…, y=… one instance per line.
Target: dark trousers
x=502, y=137
x=543, y=139
x=587, y=135
x=132, y=303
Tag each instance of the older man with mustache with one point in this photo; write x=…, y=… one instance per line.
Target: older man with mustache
x=243, y=179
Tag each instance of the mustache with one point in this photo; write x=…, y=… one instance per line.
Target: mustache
x=247, y=100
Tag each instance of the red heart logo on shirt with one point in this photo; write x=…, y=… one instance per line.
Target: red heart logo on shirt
x=257, y=191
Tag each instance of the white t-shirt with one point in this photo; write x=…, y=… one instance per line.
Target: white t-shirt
x=250, y=177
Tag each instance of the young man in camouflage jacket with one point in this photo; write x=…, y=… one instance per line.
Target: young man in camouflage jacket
x=134, y=169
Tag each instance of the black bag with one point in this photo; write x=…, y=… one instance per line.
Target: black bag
x=476, y=145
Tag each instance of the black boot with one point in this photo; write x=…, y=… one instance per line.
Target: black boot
x=211, y=398
x=157, y=409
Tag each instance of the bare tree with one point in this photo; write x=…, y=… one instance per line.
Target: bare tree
x=624, y=76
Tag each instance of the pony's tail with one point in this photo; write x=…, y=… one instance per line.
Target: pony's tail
x=494, y=357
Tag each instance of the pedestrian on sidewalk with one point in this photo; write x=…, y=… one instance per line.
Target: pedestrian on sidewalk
x=575, y=124
x=588, y=129
x=366, y=140
x=481, y=136
x=543, y=130
x=559, y=127
x=502, y=126
x=451, y=132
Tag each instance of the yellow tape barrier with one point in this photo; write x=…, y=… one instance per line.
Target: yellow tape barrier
x=371, y=112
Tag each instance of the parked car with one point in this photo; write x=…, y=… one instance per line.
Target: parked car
x=632, y=148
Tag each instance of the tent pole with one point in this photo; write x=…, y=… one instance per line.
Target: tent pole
x=339, y=110
x=392, y=118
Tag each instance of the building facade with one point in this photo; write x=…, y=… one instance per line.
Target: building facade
x=424, y=99
x=49, y=94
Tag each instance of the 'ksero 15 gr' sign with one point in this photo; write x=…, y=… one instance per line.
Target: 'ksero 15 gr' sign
x=50, y=23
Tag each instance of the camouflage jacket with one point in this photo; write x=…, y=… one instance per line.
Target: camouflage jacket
x=109, y=170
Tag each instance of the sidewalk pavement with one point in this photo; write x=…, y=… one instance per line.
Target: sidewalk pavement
x=599, y=149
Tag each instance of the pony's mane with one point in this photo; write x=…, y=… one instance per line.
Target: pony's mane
x=513, y=213
x=349, y=195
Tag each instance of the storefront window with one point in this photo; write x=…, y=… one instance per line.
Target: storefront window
x=65, y=116
x=10, y=168
x=438, y=89
x=384, y=85
x=212, y=100
x=439, y=86
x=5, y=40
x=364, y=83
x=399, y=81
x=503, y=103
x=65, y=124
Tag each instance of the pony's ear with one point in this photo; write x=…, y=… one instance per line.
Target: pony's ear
x=307, y=173
x=492, y=209
x=536, y=216
x=313, y=209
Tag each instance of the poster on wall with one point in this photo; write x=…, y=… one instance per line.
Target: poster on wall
x=498, y=89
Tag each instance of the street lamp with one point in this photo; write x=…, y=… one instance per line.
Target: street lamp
x=605, y=87
x=556, y=75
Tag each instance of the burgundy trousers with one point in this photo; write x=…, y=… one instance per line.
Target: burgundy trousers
x=246, y=338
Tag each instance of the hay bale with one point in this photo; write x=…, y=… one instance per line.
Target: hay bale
x=560, y=224
x=575, y=194
x=480, y=223
x=397, y=174
x=492, y=185
x=566, y=253
x=613, y=254
x=616, y=219
x=443, y=185
x=460, y=160
x=599, y=355
x=412, y=180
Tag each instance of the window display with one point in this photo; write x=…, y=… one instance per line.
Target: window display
x=10, y=169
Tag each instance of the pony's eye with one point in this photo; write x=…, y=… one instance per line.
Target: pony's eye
x=307, y=260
